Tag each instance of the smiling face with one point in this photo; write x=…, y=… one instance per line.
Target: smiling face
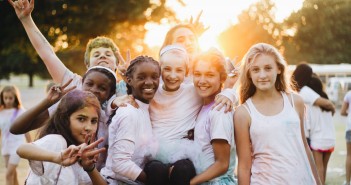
x=186, y=38
x=263, y=72
x=99, y=84
x=82, y=122
x=102, y=56
x=207, y=80
x=144, y=81
x=173, y=70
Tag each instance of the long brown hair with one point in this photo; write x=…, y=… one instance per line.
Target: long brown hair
x=13, y=89
x=59, y=122
x=246, y=87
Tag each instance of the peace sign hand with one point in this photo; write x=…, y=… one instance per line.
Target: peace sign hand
x=56, y=92
x=198, y=26
x=23, y=8
x=123, y=64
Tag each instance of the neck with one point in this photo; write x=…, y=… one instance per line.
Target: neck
x=268, y=94
x=142, y=100
x=209, y=99
x=169, y=90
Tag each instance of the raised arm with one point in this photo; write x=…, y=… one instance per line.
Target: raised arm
x=36, y=117
x=56, y=68
x=242, y=140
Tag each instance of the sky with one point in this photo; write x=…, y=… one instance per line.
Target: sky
x=218, y=14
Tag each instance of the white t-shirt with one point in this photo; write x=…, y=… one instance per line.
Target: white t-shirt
x=210, y=125
x=322, y=131
x=347, y=99
x=43, y=173
x=173, y=114
x=309, y=97
x=130, y=139
x=10, y=142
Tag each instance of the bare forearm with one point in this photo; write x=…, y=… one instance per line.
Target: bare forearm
x=31, y=119
x=54, y=65
x=244, y=177
x=96, y=178
x=32, y=152
x=215, y=170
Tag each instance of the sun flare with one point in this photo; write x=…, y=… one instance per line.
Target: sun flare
x=218, y=15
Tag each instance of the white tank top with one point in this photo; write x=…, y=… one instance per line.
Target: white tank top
x=278, y=152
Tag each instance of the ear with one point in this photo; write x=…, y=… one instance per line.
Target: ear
x=279, y=71
x=129, y=80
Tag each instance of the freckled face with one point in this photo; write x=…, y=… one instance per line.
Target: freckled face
x=83, y=122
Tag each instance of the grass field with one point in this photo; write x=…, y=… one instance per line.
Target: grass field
x=30, y=96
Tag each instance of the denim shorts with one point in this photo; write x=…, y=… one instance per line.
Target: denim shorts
x=348, y=136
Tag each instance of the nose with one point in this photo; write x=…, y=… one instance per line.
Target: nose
x=88, y=127
x=148, y=81
x=103, y=55
x=173, y=74
x=202, y=80
x=95, y=91
x=262, y=74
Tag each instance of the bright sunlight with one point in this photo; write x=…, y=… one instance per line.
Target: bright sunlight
x=218, y=15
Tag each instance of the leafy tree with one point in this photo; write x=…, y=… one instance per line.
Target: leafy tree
x=256, y=24
x=319, y=32
x=69, y=24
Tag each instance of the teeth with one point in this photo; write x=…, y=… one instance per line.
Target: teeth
x=203, y=88
x=148, y=90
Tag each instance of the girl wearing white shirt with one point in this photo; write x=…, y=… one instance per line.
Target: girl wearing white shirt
x=130, y=131
x=268, y=126
x=322, y=131
x=214, y=130
x=75, y=120
x=10, y=109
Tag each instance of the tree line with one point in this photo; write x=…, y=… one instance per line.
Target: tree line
x=317, y=33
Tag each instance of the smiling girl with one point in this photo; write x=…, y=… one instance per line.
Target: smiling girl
x=130, y=131
x=214, y=129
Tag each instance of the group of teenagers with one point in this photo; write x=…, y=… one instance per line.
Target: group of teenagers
x=173, y=121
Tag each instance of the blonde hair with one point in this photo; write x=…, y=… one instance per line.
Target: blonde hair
x=246, y=87
x=97, y=42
